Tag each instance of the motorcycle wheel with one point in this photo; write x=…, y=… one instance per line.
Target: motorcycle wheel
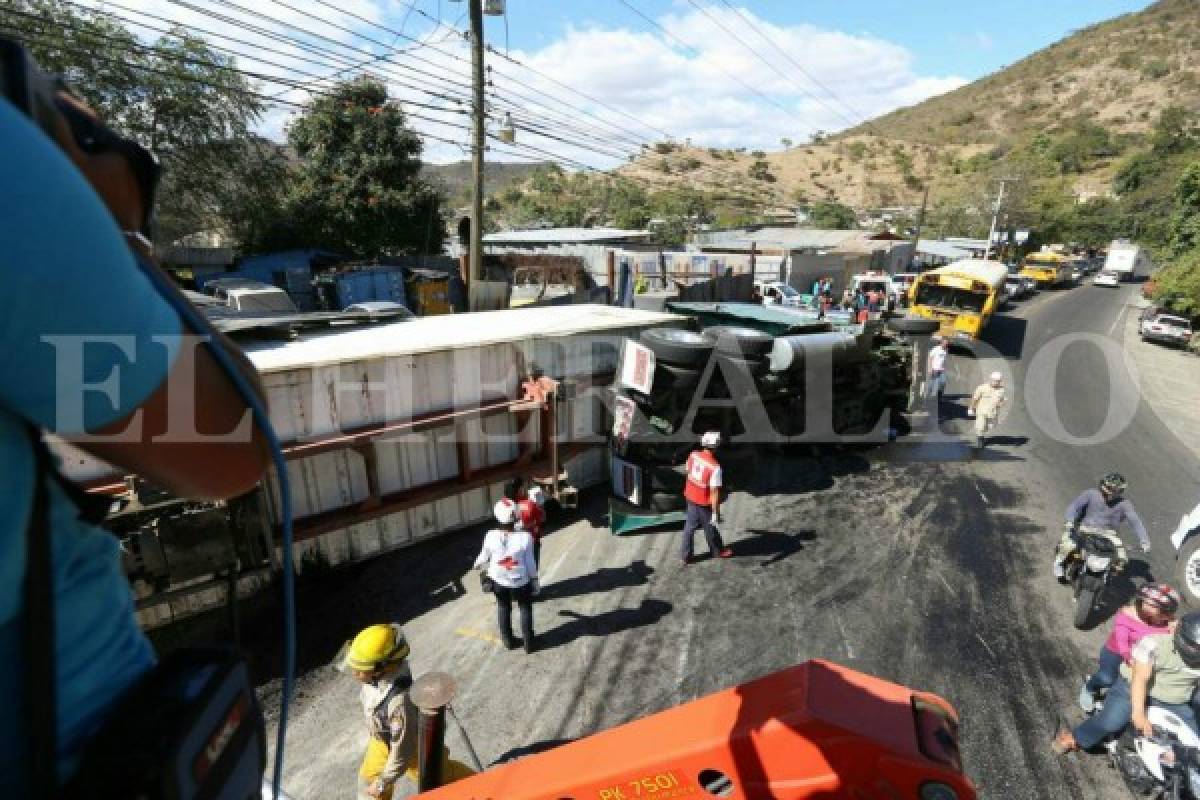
x=1084, y=599
x=1133, y=772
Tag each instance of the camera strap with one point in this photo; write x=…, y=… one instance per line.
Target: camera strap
x=41, y=691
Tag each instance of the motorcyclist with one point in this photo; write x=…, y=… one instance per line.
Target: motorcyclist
x=1152, y=611
x=1100, y=511
x=1165, y=670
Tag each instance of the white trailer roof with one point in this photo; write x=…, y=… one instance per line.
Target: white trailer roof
x=447, y=332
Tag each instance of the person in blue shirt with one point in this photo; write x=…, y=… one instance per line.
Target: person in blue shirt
x=87, y=350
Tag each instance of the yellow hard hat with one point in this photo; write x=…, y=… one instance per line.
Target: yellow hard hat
x=375, y=647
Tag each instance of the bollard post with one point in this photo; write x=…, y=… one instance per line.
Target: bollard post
x=431, y=694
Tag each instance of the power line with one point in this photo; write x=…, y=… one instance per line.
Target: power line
x=696, y=52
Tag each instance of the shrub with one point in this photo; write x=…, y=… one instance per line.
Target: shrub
x=1156, y=69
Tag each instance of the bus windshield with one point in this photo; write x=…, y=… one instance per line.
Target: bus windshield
x=948, y=297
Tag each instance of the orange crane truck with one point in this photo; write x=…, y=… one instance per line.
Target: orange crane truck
x=816, y=731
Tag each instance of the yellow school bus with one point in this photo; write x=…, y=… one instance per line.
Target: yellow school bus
x=1047, y=268
x=960, y=296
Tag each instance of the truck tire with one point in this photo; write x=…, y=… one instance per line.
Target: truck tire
x=914, y=325
x=736, y=340
x=734, y=365
x=670, y=378
x=681, y=348
x=1187, y=571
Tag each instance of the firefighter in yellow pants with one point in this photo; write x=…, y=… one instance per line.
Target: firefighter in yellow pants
x=378, y=659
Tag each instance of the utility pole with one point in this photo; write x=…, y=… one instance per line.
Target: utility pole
x=995, y=213
x=920, y=219
x=478, y=141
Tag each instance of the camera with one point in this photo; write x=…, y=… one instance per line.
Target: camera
x=36, y=93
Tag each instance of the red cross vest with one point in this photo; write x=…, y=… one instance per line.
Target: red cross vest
x=700, y=468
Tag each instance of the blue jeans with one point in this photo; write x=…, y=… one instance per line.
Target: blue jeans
x=1117, y=711
x=699, y=517
x=936, y=385
x=1107, y=671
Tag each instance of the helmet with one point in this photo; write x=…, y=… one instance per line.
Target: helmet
x=1113, y=483
x=1187, y=639
x=1158, y=595
x=711, y=439
x=538, y=496
x=505, y=511
x=375, y=647
x=996, y=376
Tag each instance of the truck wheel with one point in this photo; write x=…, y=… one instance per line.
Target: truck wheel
x=1187, y=571
x=674, y=346
x=739, y=341
x=914, y=325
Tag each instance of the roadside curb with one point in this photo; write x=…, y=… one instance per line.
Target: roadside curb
x=1170, y=380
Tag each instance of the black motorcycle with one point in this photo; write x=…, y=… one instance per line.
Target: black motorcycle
x=1088, y=569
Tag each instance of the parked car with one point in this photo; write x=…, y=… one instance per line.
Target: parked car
x=1167, y=329
x=1108, y=279
x=778, y=293
x=241, y=294
x=1016, y=288
x=1030, y=285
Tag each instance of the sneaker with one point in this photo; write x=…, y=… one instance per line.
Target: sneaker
x=1059, y=572
x=1087, y=700
x=725, y=552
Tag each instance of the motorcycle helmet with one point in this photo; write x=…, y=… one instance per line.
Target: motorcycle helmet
x=1187, y=639
x=1159, y=596
x=1113, y=484
x=505, y=511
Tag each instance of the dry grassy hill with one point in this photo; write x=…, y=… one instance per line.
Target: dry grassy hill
x=1117, y=74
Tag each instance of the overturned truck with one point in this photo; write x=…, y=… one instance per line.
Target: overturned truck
x=760, y=375
x=393, y=433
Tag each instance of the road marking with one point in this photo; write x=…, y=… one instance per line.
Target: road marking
x=1120, y=316
x=945, y=582
x=982, y=496
x=845, y=639
x=471, y=633
x=986, y=646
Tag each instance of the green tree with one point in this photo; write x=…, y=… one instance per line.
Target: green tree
x=357, y=189
x=1185, y=223
x=1174, y=132
x=184, y=101
x=832, y=215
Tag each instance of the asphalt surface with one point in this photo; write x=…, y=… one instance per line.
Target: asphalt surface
x=914, y=561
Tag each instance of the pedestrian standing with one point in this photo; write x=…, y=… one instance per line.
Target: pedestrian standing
x=816, y=288
x=531, y=517
x=985, y=407
x=702, y=492
x=507, y=557
x=378, y=659
x=935, y=368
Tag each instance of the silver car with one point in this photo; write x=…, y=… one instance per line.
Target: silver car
x=1167, y=329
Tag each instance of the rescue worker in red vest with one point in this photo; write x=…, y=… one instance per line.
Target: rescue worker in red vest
x=531, y=516
x=702, y=491
x=378, y=659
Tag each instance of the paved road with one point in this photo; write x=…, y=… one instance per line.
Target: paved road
x=913, y=562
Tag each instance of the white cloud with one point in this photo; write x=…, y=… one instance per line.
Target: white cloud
x=656, y=84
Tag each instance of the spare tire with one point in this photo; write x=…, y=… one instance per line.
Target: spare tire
x=674, y=346
x=664, y=502
x=671, y=378
x=737, y=340
x=915, y=325
x=735, y=365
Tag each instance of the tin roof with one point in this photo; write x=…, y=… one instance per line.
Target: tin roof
x=446, y=332
x=942, y=249
x=564, y=236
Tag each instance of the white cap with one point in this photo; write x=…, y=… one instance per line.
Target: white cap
x=505, y=511
x=536, y=494
x=996, y=376
x=711, y=439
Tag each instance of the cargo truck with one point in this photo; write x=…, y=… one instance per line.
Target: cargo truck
x=1128, y=261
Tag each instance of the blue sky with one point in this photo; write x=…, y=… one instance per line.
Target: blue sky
x=968, y=37
x=608, y=80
